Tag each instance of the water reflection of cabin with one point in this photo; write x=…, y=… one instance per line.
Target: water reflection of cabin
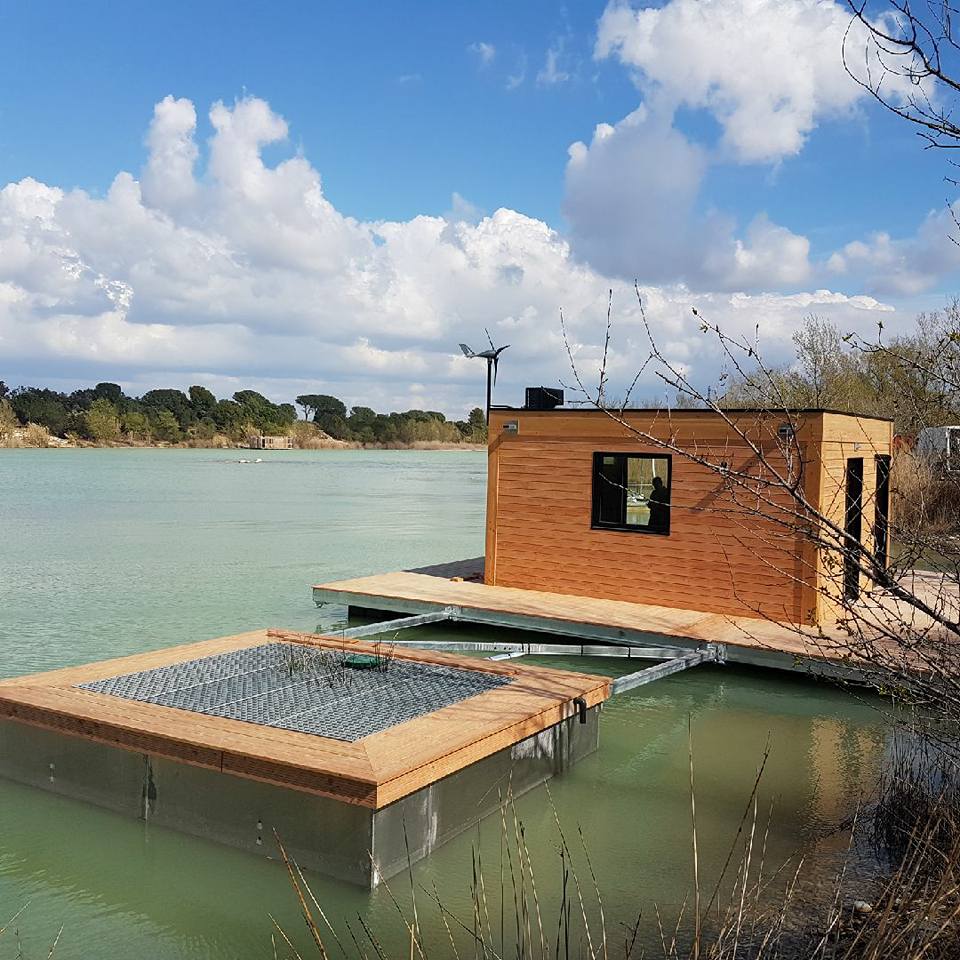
x=578, y=505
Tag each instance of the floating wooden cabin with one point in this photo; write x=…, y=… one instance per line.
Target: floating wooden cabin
x=632, y=538
x=634, y=508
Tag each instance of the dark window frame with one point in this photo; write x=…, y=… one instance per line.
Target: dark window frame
x=595, y=523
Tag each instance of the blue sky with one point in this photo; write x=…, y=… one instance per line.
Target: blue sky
x=387, y=98
x=389, y=102
x=397, y=107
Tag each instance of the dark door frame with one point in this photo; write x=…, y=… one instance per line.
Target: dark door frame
x=853, y=526
x=881, y=510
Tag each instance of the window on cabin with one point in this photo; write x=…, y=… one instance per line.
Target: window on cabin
x=631, y=492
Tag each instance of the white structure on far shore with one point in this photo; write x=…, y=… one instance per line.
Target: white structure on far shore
x=942, y=445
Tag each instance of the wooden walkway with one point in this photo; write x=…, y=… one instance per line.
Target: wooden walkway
x=372, y=772
x=459, y=587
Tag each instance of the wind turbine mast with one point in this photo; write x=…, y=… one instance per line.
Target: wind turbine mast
x=492, y=356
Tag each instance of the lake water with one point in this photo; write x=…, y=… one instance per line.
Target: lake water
x=110, y=552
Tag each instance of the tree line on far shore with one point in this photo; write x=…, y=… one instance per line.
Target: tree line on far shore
x=365, y=425
x=103, y=414
x=901, y=377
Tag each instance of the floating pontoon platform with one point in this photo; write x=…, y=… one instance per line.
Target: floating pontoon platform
x=456, y=591
x=588, y=625
x=362, y=757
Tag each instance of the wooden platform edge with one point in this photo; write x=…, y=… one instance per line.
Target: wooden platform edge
x=352, y=789
x=348, y=772
x=428, y=773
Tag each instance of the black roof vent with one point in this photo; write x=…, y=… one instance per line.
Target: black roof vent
x=543, y=398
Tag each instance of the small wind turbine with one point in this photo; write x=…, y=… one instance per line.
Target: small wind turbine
x=492, y=356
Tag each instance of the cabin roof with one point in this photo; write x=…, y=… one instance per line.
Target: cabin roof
x=681, y=411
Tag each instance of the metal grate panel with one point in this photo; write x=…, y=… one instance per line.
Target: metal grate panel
x=303, y=689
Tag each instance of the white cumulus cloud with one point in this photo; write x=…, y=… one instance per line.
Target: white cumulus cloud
x=903, y=266
x=213, y=266
x=631, y=201
x=768, y=70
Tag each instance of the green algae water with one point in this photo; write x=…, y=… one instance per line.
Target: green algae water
x=110, y=552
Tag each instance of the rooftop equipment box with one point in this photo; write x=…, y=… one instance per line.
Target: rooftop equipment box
x=543, y=398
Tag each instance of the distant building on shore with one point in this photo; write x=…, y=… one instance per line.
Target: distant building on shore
x=941, y=445
x=260, y=441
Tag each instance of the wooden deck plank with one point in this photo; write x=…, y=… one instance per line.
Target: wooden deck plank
x=558, y=606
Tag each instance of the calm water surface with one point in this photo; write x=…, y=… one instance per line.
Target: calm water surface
x=110, y=552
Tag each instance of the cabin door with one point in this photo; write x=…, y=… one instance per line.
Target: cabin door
x=853, y=525
x=881, y=510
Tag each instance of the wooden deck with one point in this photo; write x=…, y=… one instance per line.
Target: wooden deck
x=459, y=587
x=372, y=772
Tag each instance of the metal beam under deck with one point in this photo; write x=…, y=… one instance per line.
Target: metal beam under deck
x=513, y=648
x=629, y=648
x=710, y=654
x=506, y=651
x=665, y=645
x=400, y=623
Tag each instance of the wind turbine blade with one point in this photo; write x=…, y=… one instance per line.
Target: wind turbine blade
x=487, y=332
x=496, y=360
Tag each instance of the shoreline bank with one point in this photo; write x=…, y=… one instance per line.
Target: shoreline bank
x=57, y=443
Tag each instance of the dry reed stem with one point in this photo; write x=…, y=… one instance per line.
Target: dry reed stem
x=596, y=889
x=286, y=939
x=536, y=899
x=573, y=873
x=319, y=909
x=304, y=907
x=696, y=856
x=443, y=916
x=373, y=940
x=360, y=951
x=407, y=924
x=415, y=926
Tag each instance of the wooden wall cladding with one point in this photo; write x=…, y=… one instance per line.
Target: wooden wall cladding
x=729, y=551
